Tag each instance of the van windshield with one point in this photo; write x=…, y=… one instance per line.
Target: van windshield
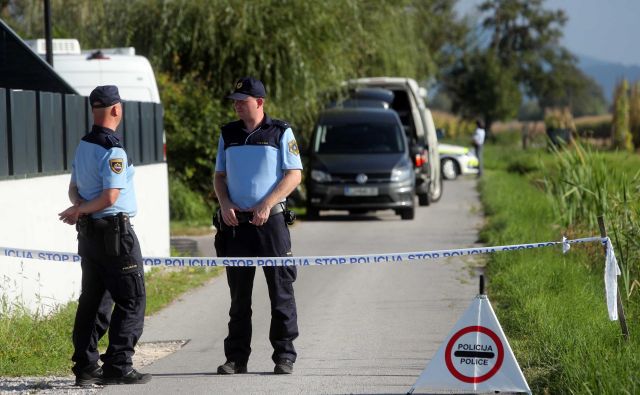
x=358, y=138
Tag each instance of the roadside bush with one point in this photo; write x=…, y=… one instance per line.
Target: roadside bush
x=455, y=128
x=185, y=204
x=192, y=120
x=596, y=130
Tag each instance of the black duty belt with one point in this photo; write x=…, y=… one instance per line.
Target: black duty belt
x=247, y=216
x=121, y=219
x=119, y=222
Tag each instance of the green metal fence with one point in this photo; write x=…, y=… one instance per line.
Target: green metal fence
x=39, y=131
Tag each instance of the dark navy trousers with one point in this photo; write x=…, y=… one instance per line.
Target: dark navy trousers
x=269, y=240
x=108, y=281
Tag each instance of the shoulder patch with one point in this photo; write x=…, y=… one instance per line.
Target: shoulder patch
x=293, y=147
x=116, y=165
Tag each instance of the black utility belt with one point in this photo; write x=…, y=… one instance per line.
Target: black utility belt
x=247, y=216
x=121, y=219
x=110, y=229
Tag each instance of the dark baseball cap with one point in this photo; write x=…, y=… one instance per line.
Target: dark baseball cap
x=247, y=86
x=104, y=96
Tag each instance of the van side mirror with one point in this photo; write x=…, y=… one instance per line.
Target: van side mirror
x=440, y=133
x=423, y=93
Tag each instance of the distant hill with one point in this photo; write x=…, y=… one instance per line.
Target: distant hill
x=607, y=74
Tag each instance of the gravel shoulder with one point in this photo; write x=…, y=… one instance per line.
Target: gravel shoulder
x=146, y=354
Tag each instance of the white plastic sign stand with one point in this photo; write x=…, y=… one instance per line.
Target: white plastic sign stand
x=474, y=358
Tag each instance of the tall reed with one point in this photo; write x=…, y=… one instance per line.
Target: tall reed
x=582, y=184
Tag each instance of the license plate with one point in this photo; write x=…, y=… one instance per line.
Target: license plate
x=360, y=191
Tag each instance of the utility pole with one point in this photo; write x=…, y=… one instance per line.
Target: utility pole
x=47, y=32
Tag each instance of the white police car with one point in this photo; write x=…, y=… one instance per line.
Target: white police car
x=457, y=160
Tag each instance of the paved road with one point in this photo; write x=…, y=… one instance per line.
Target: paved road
x=364, y=329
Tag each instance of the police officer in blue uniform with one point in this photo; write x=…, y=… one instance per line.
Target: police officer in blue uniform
x=257, y=167
x=103, y=197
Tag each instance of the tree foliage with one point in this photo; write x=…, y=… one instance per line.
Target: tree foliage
x=522, y=43
x=480, y=85
x=302, y=51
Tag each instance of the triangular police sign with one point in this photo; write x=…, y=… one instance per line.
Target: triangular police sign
x=474, y=358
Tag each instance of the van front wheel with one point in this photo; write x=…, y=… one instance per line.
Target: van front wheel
x=423, y=199
x=312, y=213
x=408, y=213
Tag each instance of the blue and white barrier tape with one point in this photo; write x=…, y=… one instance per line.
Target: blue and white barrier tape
x=611, y=269
x=299, y=261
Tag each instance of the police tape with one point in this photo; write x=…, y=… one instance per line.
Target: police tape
x=612, y=271
x=302, y=260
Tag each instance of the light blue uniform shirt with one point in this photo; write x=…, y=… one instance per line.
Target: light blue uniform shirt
x=255, y=162
x=98, y=166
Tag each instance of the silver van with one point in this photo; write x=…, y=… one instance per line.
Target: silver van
x=418, y=123
x=359, y=160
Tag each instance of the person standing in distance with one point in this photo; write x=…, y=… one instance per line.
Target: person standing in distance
x=478, y=143
x=103, y=197
x=257, y=167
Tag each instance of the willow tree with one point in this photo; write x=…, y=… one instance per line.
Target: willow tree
x=300, y=49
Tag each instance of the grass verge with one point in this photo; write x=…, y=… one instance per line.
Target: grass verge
x=190, y=228
x=551, y=305
x=34, y=345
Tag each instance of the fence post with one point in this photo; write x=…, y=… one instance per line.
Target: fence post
x=621, y=316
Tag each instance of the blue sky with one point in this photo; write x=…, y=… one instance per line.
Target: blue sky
x=603, y=29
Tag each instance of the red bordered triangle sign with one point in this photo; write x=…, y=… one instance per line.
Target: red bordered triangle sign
x=474, y=358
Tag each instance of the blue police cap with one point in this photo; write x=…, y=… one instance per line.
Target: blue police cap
x=104, y=96
x=247, y=86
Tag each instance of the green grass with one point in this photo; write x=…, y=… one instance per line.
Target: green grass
x=551, y=305
x=190, y=228
x=36, y=345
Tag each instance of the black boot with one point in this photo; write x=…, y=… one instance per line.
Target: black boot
x=283, y=366
x=88, y=375
x=231, y=367
x=133, y=377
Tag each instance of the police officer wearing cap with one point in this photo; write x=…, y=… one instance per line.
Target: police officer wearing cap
x=257, y=167
x=103, y=197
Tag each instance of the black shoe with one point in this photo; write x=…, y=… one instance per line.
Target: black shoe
x=231, y=367
x=133, y=377
x=90, y=375
x=283, y=366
